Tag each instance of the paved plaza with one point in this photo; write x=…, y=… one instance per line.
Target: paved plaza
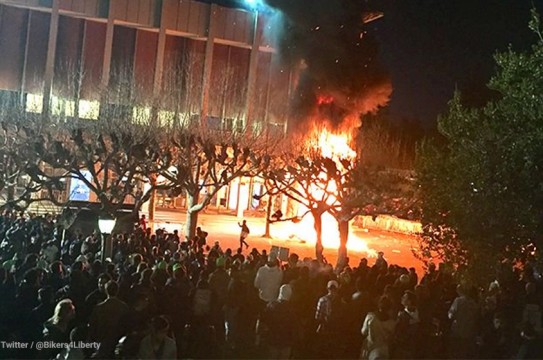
x=224, y=228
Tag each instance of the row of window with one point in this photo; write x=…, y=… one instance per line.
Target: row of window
x=90, y=110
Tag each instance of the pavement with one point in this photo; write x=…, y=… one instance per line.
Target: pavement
x=363, y=243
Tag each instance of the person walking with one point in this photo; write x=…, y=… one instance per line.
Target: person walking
x=243, y=235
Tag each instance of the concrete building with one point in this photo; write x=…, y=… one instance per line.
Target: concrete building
x=203, y=62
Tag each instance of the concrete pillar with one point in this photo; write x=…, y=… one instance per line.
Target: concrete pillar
x=268, y=92
x=239, y=207
x=50, y=60
x=208, y=62
x=293, y=75
x=108, y=48
x=252, y=74
x=80, y=69
x=25, y=59
x=159, y=63
x=157, y=85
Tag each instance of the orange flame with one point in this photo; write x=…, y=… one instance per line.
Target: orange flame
x=335, y=146
x=324, y=99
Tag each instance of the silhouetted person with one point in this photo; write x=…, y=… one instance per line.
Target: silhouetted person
x=243, y=235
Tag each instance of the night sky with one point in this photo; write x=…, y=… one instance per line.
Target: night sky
x=431, y=47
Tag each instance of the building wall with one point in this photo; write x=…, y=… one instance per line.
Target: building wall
x=196, y=59
x=199, y=58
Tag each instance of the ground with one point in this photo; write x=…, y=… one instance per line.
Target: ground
x=224, y=228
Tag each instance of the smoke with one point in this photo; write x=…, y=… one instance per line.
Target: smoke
x=338, y=60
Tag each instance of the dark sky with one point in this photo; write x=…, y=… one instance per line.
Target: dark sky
x=431, y=47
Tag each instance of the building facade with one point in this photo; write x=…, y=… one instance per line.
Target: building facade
x=201, y=61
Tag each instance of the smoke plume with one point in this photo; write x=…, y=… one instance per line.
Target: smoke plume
x=340, y=76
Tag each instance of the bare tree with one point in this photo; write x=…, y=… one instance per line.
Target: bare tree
x=112, y=158
x=367, y=190
x=206, y=161
x=303, y=180
x=22, y=180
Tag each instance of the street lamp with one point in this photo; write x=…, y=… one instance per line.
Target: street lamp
x=106, y=226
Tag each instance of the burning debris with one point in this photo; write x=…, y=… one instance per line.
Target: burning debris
x=336, y=59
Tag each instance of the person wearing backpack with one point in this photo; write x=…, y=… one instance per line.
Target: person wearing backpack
x=330, y=322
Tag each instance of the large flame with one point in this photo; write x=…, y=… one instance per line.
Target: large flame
x=335, y=146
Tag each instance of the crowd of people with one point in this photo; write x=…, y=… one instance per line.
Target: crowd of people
x=163, y=297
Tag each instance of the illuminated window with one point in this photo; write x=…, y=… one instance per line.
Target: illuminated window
x=62, y=107
x=141, y=115
x=34, y=103
x=166, y=118
x=89, y=109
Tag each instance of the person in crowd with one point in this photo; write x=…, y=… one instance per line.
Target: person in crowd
x=143, y=222
x=135, y=327
x=530, y=347
x=378, y=330
x=268, y=280
x=236, y=303
x=97, y=296
x=218, y=283
x=330, y=322
x=105, y=325
x=57, y=328
x=464, y=314
x=199, y=288
x=381, y=262
x=282, y=325
x=73, y=351
x=41, y=313
x=158, y=345
x=408, y=328
x=358, y=307
x=202, y=304
x=532, y=310
x=201, y=237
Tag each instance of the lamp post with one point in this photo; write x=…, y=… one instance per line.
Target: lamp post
x=106, y=226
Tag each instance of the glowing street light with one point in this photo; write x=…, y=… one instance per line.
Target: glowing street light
x=106, y=226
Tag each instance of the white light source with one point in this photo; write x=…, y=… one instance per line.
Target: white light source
x=106, y=225
x=254, y=4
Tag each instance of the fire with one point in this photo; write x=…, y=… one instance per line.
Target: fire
x=335, y=146
x=322, y=100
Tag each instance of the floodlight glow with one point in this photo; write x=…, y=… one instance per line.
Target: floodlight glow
x=254, y=4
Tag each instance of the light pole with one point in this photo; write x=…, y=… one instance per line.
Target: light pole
x=106, y=226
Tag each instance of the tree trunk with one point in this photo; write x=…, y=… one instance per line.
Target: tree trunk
x=192, y=216
x=10, y=196
x=343, y=227
x=152, y=204
x=317, y=216
x=269, y=208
